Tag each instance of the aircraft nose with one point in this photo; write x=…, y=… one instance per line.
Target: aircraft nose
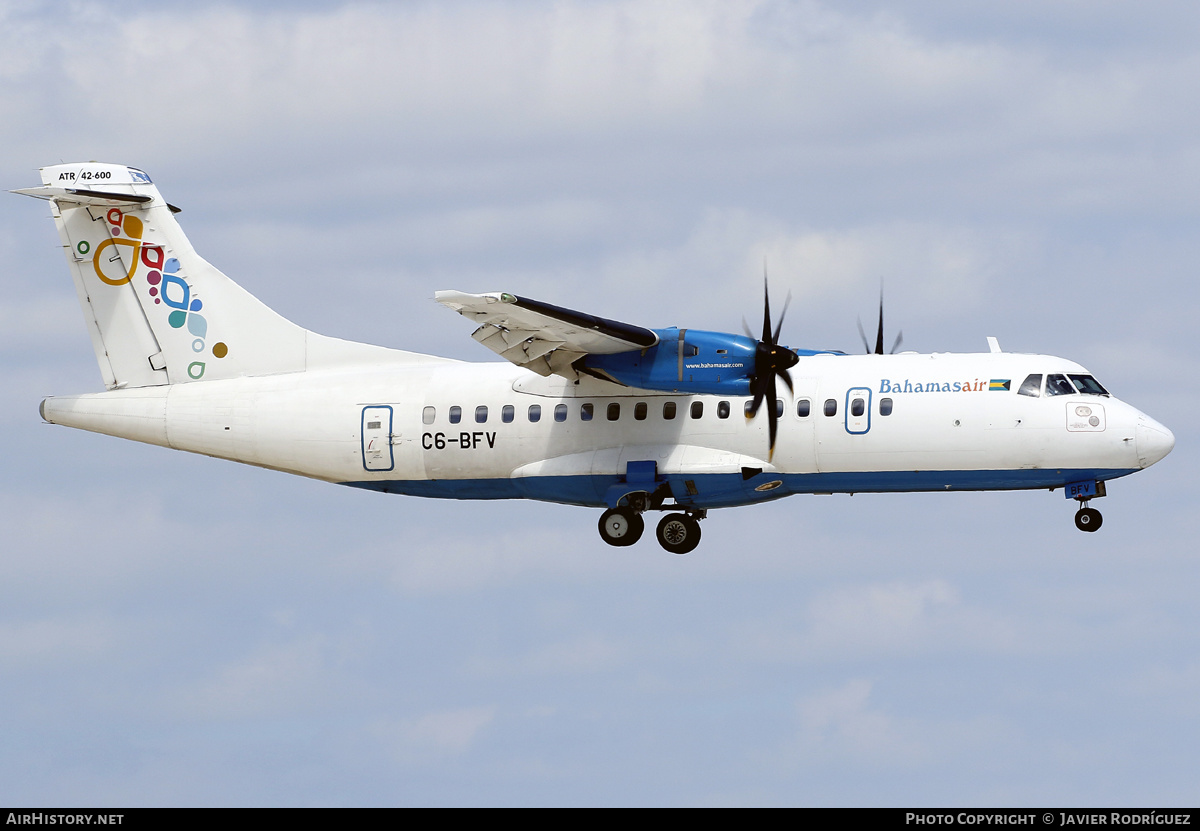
x=1154, y=441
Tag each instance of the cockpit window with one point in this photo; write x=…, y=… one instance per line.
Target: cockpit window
x=1032, y=386
x=1088, y=385
x=1058, y=385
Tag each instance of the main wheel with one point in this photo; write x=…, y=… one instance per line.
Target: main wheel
x=1088, y=519
x=621, y=526
x=678, y=533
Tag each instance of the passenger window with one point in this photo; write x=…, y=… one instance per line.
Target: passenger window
x=1088, y=385
x=803, y=407
x=722, y=409
x=560, y=412
x=830, y=406
x=614, y=411
x=507, y=413
x=697, y=409
x=535, y=412
x=639, y=411
x=586, y=412
x=885, y=406
x=481, y=414
x=669, y=410
x=455, y=414
x=1032, y=386
x=749, y=404
x=1058, y=385
x=428, y=415
x=779, y=408
x=857, y=407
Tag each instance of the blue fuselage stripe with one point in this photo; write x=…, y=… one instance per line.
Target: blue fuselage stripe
x=728, y=489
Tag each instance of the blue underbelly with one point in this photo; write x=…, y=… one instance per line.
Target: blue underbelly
x=729, y=489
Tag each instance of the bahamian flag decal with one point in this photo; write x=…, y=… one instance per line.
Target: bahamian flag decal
x=1001, y=384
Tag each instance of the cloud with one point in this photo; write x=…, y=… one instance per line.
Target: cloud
x=841, y=722
x=870, y=620
x=584, y=655
x=277, y=680
x=480, y=76
x=56, y=641
x=438, y=733
x=879, y=615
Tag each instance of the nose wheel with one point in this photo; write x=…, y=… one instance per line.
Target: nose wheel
x=1088, y=519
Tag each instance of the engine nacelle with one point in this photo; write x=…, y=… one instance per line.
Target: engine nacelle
x=687, y=361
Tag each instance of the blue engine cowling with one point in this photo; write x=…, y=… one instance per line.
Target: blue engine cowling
x=687, y=361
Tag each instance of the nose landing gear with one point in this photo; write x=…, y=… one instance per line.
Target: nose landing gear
x=1088, y=519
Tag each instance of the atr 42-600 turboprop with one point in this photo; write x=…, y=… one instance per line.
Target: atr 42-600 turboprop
x=589, y=411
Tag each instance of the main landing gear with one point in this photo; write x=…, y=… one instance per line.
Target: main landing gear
x=678, y=533
x=621, y=527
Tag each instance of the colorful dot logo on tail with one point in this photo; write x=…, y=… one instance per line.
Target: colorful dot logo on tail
x=111, y=269
x=165, y=283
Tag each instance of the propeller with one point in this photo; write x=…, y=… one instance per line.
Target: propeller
x=771, y=361
x=879, y=334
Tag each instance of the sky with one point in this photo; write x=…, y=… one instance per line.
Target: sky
x=177, y=630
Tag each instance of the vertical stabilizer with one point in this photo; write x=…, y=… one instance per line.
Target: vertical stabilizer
x=157, y=312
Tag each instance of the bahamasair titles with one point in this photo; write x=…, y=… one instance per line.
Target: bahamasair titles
x=586, y=410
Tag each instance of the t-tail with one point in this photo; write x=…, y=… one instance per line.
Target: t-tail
x=157, y=312
x=186, y=354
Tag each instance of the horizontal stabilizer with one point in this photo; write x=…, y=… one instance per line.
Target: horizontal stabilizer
x=79, y=196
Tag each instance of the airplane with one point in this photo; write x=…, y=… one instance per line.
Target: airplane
x=586, y=411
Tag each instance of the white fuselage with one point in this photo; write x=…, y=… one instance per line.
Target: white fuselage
x=390, y=427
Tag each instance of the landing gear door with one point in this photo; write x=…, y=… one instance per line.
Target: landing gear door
x=377, y=438
x=858, y=410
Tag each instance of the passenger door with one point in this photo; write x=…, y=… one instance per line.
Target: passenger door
x=377, y=438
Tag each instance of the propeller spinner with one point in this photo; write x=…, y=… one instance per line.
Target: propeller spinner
x=771, y=361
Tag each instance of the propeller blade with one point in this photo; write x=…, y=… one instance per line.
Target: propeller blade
x=862, y=334
x=878, y=350
x=879, y=335
x=779, y=326
x=772, y=416
x=771, y=361
x=787, y=380
x=758, y=399
x=766, y=333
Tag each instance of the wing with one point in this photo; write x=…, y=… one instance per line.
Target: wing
x=543, y=338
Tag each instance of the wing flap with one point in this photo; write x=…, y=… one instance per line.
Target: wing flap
x=541, y=337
